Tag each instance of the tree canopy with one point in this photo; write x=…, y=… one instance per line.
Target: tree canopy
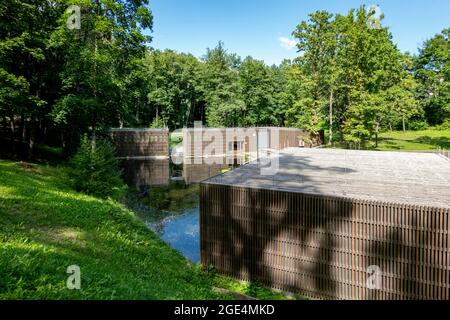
x=59, y=83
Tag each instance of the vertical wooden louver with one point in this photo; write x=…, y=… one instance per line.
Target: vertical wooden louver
x=140, y=143
x=322, y=247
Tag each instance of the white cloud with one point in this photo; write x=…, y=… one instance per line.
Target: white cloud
x=287, y=43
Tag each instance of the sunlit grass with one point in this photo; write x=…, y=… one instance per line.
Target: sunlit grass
x=45, y=227
x=416, y=134
x=249, y=289
x=424, y=140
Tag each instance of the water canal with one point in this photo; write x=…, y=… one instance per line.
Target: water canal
x=168, y=199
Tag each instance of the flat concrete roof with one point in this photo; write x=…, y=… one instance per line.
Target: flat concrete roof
x=399, y=177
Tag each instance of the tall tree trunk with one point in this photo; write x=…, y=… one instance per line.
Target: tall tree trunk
x=32, y=139
x=376, y=135
x=404, y=124
x=63, y=141
x=5, y=123
x=137, y=114
x=330, y=138
x=43, y=133
x=23, y=136
x=341, y=133
x=13, y=135
x=94, y=129
x=94, y=122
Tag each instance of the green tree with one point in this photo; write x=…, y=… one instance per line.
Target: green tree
x=27, y=66
x=282, y=96
x=98, y=60
x=258, y=92
x=297, y=99
x=221, y=88
x=316, y=41
x=173, y=87
x=433, y=73
x=95, y=169
x=370, y=64
x=345, y=67
x=402, y=101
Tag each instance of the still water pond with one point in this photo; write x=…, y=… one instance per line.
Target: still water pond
x=182, y=233
x=173, y=214
x=169, y=200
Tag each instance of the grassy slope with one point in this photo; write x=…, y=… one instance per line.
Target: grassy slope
x=46, y=227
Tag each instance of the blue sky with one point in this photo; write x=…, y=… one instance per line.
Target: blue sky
x=262, y=28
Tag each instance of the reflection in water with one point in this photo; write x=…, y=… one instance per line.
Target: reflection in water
x=181, y=232
x=172, y=212
x=141, y=174
x=170, y=202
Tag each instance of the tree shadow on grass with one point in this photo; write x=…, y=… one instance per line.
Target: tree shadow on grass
x=443, y=142
x=433, y=142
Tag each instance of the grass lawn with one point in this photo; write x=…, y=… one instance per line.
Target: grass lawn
x=424, y=140
x=45, y=227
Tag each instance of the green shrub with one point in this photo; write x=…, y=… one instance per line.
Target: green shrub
x=417, y=125
x=95, y=169
x=444, y=126
x=157, y=123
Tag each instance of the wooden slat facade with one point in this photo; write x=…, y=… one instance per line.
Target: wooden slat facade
x=322, y=247
x=195, y=173
x=140, y=143
x=195, y=141
x=143, y=155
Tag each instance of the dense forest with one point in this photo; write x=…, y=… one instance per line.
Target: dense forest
x=58, y=83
